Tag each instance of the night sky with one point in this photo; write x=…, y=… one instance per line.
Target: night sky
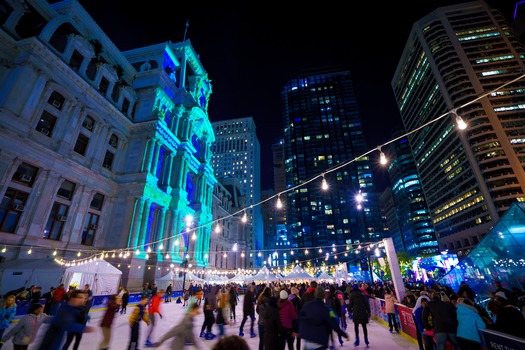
x=250, y=50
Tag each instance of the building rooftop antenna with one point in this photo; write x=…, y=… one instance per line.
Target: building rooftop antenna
x=186, y=30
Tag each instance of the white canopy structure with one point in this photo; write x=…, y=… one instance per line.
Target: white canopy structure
x=15, y=274
x=239, y=278
x=323, y=276
x=298, y=273
x=103, y=278
x=164, y=281
x=263, y=275
x=191, y=277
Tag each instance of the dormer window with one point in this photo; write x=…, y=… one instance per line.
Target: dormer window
x=56, y=100
x=88, y=123
x=113, y=141
x=76, y=60
x=103, y=86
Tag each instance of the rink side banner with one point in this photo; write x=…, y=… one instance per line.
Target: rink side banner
x=498, y=341
x=407, y=321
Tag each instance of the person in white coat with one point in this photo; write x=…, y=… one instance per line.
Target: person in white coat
x=23, y=333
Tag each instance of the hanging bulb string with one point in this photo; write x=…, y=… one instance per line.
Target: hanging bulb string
x=334, y=168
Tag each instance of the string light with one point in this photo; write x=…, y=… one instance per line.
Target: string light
x=324, y=184
x=4, y=249
x=279, y=204
x=382, y=157
x=217, y=228
x=461, y=125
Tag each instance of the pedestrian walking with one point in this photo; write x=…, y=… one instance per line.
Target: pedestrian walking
x=153, y=308
x=23, y=333
x=316, y=323
x=223, y=311
x=114, y=303
x=139, y=314
x=183, y=332
x=359, y=306
x=295, y=299
x=248, y=310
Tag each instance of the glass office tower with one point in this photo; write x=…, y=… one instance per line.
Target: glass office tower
x=464, y=60
x=323, y=131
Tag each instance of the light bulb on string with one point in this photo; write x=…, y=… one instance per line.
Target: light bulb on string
x=244, y=217
x=194, y=236
x=279, y=203
x=382, y=157
x=30, y=250
x=459, y=121
x=217, y=228
x=324, y=184
x=79, y=254
x=167, y=256
x=4, y=249
x=137, y=252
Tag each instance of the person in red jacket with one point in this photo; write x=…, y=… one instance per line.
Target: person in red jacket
x=154, y=308
x=57, y=297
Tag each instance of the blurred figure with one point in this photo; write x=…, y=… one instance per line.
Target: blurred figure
x=508, y=319
x=210, y=306
x=223, y=311
x=49, y=300
x=139, y=314
x=107, y=320
x=248, y=309
x=125, y=301
x=233, y=302
x=167, y=296
x=260, y=309
x=7, y=313
x=65, y=320
x=23, y=333
x=272, y=323
x=82, y=318
x=316, y=322
x=153, y=308
x=183, y=332
x=57, y=297
x=231, y=342
x=444, y=320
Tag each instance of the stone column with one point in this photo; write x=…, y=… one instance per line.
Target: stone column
x=155, y=161
x=137, y=219
x=143, y=223
x=150, y=147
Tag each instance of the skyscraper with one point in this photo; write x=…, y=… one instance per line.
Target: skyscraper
x=416, y=231
x=322, y=131
x=455, y=63
x=237, y=153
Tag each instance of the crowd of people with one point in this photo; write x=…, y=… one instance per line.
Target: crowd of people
x=309, y=315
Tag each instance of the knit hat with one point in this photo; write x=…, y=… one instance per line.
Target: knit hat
x=501, y=294
x=319, y=293
x=294, y=290
x=283, y=295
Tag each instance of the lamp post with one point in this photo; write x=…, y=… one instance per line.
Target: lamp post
x=184, y=264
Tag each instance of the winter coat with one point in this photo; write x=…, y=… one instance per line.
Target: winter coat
x=418, y=317
x=287, y=313
x=6, y=315
x=444, y=317
x=316, y=322
x=360, y=306
x=183, y=333
x=390, y=301
x=25, y=330
x=108, y=317
x=469, y=322
x=260, y=309
x=248, y=303
x=272, y=325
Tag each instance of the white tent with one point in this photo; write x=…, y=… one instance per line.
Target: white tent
x=263, y=275
x=15, y=274
x=298, y=273
x=164, y=281
x=191, y=277
x=323, y=276
x=103, y=278
x=239, y=278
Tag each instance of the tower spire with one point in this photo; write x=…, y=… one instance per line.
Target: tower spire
x=186, y=30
